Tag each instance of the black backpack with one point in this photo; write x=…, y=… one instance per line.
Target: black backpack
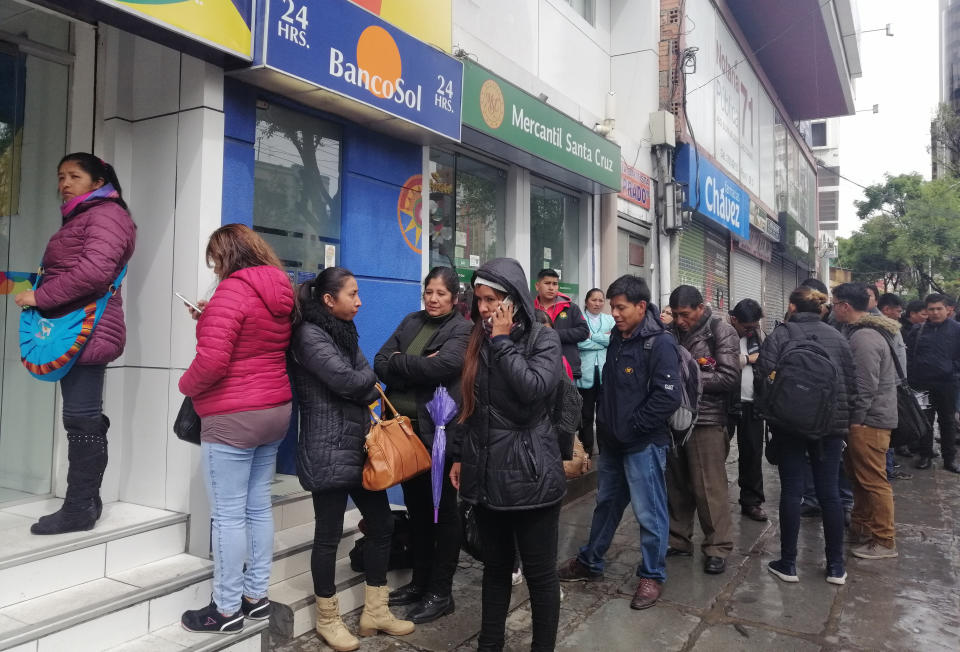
x=567, y=408
x=800, y=395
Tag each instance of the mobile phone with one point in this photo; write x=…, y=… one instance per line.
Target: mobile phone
x=188, y=302
x=507, y=302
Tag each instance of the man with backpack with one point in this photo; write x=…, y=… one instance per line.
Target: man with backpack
x=696, y=470
x=873, y=416
x=933, y=362
x=639, y=393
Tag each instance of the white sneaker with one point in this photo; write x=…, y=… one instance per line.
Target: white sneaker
x=517, y=578
x=561, y=593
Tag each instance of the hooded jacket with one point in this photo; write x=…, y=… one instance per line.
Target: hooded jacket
x=82, y=260
x=836, y=347
x=509, y=452
x=422, y=374
x=334, y=385
x=933, y=353
x=570, y=325
x=875, y=403
x=712, y=337
x=242, y=339
x=593, y=350
x=640, y=388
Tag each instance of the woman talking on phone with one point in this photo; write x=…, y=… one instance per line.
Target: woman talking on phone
x=509, y=462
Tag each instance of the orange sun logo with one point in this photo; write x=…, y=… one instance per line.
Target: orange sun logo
x=409, y=212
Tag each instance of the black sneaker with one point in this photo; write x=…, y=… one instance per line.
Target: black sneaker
x=210, y=621
x=259, y=610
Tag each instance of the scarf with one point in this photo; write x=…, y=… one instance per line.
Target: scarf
x=343, y=333
x=106, y=191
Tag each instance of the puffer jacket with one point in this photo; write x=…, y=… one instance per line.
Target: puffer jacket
x=593, y=350
x=875, y=404
x=508, y=448
x=242, y=337
x=836, y=347
x=334, y=389
x=422, y=374
x=712, y=337
x=82, y=259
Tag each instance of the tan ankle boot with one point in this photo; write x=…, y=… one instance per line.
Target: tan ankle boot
x=330, y=627
x=376, y=614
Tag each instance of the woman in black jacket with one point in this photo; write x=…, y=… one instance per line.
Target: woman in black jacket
x=334, y=385
x=508, y=463
x=806, y=306
x=426, y=351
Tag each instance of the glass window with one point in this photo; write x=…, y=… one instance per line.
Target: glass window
x=467, y=212
x=584, y=8
x=818, y=134
x=296, y=196
x=555, y=236
x=780, y=164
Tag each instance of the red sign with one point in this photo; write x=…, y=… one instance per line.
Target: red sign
x=634, y=185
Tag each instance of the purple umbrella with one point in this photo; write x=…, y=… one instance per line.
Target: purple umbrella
x=442, y=408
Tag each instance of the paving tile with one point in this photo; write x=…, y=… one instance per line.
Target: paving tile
x=615, y=627
x=743, y=638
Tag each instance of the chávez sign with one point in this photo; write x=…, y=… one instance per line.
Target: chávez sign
x=506, y=112
x=340, y=47
x=713, y=194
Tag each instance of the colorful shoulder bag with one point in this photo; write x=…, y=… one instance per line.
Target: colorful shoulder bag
x=49, y=347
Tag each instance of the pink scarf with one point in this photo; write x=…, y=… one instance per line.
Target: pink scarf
x=106, y=190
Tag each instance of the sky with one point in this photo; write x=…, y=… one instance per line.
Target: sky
x=900, y=73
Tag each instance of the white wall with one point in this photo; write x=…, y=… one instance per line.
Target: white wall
x=160, y=120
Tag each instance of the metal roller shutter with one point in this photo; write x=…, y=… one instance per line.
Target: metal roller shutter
x=716, y=290
x=746, y=278
x=774, y=305
x=692, y=264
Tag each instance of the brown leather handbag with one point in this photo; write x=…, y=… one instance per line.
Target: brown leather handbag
x=394, y=452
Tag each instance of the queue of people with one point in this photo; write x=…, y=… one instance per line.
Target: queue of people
x=261, y=344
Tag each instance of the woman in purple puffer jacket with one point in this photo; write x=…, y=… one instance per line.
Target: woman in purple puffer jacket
x=82, y=260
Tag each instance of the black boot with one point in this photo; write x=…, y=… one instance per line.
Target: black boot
x=432, y=606
x=87, y=457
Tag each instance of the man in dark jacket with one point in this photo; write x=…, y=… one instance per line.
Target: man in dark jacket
x=873, y=416
x=933, y=360
x=697, y=474
x=639, y=392
x=567, y=319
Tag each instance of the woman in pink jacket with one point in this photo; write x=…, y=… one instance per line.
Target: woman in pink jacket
x=239, y=385
x=82, y=260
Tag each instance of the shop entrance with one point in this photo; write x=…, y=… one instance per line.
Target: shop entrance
x=33, y=131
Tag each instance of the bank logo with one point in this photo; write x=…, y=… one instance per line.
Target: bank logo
x=378, y=68
x=409, y=212
x=492, y=105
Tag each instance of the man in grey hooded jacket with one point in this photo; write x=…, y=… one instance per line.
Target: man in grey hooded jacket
x=873, y=416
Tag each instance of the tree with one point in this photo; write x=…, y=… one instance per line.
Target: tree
x=867, y=254
x=890, y=197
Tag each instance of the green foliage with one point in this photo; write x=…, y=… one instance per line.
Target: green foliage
x=910, y=237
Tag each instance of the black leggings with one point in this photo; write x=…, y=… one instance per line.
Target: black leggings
x=589, y=408
x=436, y=546
x=534, y=533
x=82, y=391
x=328, y=510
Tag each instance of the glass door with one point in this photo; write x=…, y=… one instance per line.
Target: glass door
x=33, y=119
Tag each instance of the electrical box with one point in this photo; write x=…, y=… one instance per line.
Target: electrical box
x=663, y=129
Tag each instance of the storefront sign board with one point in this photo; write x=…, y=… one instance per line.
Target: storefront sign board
x=431, y=21
x=634, y=185
x=712, y=193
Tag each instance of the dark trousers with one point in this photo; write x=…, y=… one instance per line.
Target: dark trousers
x=328, y=510
x=589, y=396
x=436, y=546
x=534, y=533
x=825, y=463
x=943, y=399
x=749, y=430
x=810, y=490
x=82, y=391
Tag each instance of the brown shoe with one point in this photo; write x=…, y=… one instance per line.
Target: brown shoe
x=647, y=594
x=754, y=512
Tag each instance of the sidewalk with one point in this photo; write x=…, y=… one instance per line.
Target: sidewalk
x=910, y=603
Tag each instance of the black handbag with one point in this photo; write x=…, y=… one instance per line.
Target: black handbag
x=912, y=424
x=471, y=541
x=187, y=425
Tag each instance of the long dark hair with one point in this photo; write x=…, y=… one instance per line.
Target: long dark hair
x=471, y=362
x=98, y=169
x=449, y=278
x=311, y=307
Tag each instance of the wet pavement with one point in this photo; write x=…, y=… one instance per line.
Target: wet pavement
x=909, y=603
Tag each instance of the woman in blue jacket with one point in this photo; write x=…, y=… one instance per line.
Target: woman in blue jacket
x=593, y=353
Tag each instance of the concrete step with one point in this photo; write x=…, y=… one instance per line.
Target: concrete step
x=126, y=536
x=253, y=638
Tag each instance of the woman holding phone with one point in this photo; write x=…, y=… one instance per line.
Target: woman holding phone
x=508, y=460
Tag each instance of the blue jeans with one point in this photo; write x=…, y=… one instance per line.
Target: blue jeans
x=238, y=487
x=843, y=488
x=825, y=463
x=636, y=479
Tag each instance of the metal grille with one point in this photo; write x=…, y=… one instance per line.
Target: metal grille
x=746, y=278
x=773, y=300
x=705, y=265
